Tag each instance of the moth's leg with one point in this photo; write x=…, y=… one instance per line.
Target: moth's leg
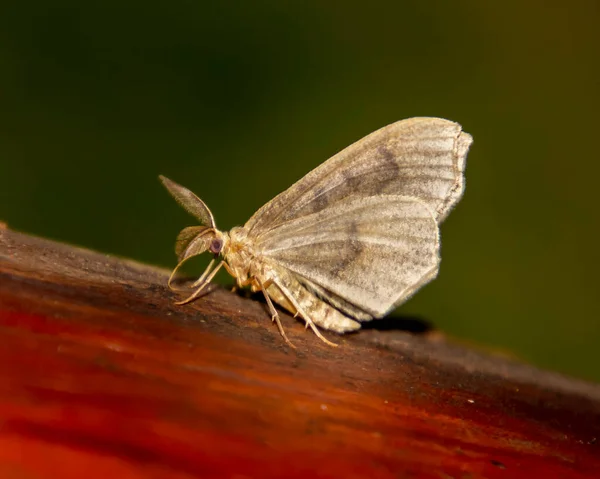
x=196, y=293
x=240, y=284
x=274, y=313
x=303, y=313
x=196, y=283
x=203, y=276
x=230, y=271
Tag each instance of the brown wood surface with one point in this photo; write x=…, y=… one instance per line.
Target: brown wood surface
x=101, y=375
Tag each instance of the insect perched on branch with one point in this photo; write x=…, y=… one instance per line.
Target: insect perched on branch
x=353, y=239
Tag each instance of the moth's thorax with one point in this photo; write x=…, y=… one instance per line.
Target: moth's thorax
x=238, y=234
x=240, y=253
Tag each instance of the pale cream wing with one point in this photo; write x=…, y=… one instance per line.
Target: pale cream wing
x=420, y=157
x=371, y=253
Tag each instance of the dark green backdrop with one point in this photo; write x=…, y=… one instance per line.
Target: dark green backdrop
x=238, y=99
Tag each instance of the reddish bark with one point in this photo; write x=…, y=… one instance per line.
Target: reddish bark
x=101, y=375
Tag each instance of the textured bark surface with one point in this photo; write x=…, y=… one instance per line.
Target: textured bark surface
x=101, y=375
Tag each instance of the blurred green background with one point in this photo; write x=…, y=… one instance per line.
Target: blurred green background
x=237, y=100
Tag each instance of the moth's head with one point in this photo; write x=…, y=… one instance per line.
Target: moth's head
x=195, y=240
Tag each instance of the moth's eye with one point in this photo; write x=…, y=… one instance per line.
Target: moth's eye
x=216, y=246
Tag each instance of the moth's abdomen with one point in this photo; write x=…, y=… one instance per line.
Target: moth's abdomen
x=321, y=313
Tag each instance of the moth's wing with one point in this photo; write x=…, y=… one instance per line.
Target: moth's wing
x=189, y=201
x=369, y=254
x=420, y=157
x=337, y=302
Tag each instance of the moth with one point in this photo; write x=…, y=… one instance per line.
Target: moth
x=350, y=241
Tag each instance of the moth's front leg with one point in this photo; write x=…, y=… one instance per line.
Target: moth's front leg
x=206, y=279
x=238, y=278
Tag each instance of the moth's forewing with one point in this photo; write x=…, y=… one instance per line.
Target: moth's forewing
x=371, y=252
x=420, y=157
x=459, y=159
x=190, y=202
